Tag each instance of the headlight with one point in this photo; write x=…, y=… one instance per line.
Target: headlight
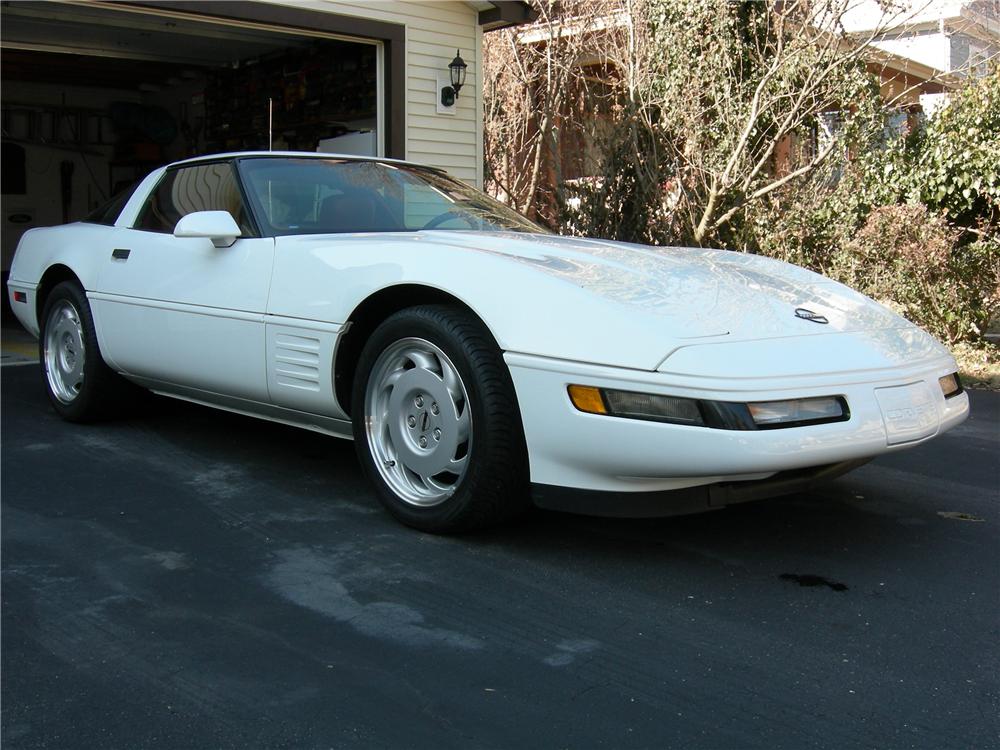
x=722, y=415
x=652, y=406
x=951, y=385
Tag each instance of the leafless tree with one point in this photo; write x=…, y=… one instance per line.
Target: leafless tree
x=537, y=83
x=698, y=110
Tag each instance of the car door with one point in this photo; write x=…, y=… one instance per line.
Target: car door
x=180, y=311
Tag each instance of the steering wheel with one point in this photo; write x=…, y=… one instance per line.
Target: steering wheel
x=447, y=215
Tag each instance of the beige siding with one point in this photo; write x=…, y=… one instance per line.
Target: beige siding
x=434, y=29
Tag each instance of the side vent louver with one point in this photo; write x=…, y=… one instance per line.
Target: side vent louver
x=296, y=362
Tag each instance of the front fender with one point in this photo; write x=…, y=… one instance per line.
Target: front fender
x=326, y=278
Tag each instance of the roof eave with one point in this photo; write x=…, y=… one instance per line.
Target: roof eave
x=504, y=13
x=929, y=76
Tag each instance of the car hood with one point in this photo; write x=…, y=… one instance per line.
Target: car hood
x=700, y=292
x=600, y=302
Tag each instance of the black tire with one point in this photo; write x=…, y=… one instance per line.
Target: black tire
x=493, y=485
x=98, y=392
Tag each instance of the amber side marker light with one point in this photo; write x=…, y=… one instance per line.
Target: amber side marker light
x=587, y=398
x=951, y=385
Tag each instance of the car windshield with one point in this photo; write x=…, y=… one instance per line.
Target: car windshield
x=318, y=196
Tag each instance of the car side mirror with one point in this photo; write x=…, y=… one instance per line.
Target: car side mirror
x=218, y=226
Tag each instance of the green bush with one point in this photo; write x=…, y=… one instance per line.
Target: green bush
x=955, y=164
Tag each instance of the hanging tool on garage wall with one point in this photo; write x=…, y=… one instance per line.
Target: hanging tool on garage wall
x=66, y=187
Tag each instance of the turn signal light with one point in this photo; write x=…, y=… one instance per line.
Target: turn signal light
x=587, y=398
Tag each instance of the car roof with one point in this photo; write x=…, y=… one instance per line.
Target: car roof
x=295, y=154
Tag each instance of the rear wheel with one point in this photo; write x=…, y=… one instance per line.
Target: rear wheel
x=79, y=384
x=436, y=424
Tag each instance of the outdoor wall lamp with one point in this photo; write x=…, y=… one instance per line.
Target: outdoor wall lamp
x=456, y=69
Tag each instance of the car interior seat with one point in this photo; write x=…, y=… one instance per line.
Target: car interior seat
x=349, y=212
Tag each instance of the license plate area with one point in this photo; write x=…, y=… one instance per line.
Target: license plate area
x=909, y=412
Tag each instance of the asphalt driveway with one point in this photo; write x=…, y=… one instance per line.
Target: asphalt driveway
x=198, y=579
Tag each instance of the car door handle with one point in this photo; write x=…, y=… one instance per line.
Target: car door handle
x=120, y=253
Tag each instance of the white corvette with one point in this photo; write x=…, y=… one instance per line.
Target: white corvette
x=478, y=361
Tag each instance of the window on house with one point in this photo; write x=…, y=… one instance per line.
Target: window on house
x=897, y=125
x=979, y=56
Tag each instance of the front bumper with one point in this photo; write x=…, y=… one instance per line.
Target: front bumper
x=568, y=448
x=689, y=500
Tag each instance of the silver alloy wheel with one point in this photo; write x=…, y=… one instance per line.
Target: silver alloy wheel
x=65, y=352
x=418, y=422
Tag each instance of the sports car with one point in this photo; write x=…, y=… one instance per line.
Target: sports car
x=479, y=362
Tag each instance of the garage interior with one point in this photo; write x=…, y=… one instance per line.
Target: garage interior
x=97, y=95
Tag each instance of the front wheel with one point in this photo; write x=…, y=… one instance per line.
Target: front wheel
x=436, y=424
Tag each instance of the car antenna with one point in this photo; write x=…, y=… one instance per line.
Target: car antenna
x=270, y=123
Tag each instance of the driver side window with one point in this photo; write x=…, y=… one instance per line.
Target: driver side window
x=204, y=187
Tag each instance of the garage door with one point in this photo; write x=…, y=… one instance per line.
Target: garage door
x=96, y=95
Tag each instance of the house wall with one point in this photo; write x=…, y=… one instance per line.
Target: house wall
x=434, y=30
x=970, y=53
x=948, y=35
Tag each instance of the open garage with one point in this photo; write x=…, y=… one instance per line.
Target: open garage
x=95, y=96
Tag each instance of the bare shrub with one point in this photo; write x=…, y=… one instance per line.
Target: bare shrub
x=910, y=259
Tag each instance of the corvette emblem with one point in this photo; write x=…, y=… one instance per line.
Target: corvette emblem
x=801, y=312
